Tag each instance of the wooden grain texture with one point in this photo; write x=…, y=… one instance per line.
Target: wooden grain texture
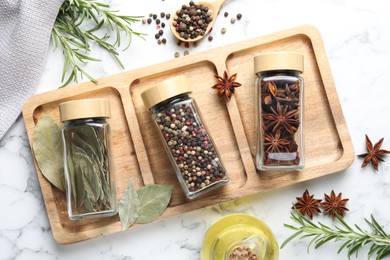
x=138, y=155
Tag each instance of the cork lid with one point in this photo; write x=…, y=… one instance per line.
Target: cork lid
x=84, y=108
x=164, y=90
x=278, y=61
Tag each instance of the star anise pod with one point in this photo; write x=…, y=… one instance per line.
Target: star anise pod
x=274, y=144
x=374, y=155
x=334, y=204
x=226, y=85
x=282, y=118
x=307, y=204
x=287, y=95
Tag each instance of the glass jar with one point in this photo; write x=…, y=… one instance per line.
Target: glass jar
x=186, y=140
x=279, y=111
x=90, y=186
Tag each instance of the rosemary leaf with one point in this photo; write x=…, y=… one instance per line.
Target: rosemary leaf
x=354, y=239
x=71, y=35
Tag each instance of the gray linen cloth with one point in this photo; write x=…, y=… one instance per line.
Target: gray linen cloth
x=25, y=28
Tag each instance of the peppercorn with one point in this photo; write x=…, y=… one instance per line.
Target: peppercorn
x=149, y=20
x=167, y=16
x=186, y=52
x=226, y=14
x=233, y=20
x=158, y=21
x=164, y=41
x=163, y=25
x=239, y=16
x=223, y=30
x=154, y=16
x=210, y=38
x=162, y=14
x=177, y=54
x=157, y=36
x=161, y=32
x=143, y=21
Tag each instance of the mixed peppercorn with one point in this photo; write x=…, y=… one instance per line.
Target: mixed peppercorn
x=190, y=146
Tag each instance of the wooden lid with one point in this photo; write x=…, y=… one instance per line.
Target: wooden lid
x=166, y=89
x=278, y=61
x=84, y=108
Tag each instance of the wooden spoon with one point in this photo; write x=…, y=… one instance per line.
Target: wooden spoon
x=214, y=5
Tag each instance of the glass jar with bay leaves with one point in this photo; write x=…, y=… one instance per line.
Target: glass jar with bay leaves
x=186, y=140
x=90, y=187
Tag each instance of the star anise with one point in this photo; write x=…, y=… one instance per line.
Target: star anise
x=307, y=204
x=226, y=85
x=334, y=204
x=287, y=95
x=274, y=144
x=282, y=118
x=374, y=155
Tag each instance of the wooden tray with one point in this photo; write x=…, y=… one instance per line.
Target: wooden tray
x=138, y=154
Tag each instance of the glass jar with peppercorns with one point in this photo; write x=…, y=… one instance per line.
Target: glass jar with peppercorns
x=186, y=140
x=279, y=105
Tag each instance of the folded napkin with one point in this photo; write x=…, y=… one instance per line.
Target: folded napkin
x=25, y=27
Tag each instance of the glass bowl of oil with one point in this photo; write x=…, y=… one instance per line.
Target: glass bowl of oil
x=239, y=237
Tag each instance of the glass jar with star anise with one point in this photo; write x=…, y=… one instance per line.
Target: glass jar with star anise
x=279, y=111
x=189, y=146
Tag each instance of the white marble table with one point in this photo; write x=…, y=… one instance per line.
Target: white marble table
x=357, y=39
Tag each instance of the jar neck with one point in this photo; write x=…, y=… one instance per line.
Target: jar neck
x=82, y=121
x=169, y=102
x=293, y=73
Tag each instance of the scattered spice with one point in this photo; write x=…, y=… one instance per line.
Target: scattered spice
x=154, y=16
x=210, y=38
x=177, y=54
x=223, y=30
x=226, y=14
x=149, y=20
x=158, y=21
x=163, y=25
x=226, y=85
x=242, y=253
x=162, y=14
x=307, y=204
x=192, y=20
x=143, y=21
x=168, y=16
x=233, y=20
x=164, y=41
x=239, y=16
x=334, y=204
x=186, y=52
x=374, y=155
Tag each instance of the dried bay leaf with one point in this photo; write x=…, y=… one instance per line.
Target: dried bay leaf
x=129, y=207
x=154, y=200
x=47, y=147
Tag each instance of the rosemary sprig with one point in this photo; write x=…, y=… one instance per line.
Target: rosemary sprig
x=354, y=239
x=70, y=33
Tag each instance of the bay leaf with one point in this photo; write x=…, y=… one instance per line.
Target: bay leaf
x=79, y=187
x=47, y=146
x=154, y=200
x=129, y=207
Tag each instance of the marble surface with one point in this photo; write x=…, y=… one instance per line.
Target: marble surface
x=357, y=39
